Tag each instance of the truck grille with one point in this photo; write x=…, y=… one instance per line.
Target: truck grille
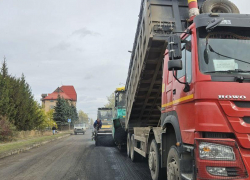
x=246, y=119
x=235, y=172
x=232, y=172
x=242, y=104
x=218, y=135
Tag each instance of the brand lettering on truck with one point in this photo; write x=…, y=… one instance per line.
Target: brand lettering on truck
x=232, y=97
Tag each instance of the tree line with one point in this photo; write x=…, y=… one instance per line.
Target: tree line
x=17, y=104
x=19, y=111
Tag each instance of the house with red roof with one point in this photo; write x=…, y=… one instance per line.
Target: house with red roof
x=66, y=92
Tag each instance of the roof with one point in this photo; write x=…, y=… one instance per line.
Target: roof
x=54, y=95
x=70, y=91
x=120, y=88
x=66, y=92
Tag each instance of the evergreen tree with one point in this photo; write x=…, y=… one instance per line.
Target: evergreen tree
x=74, y=113
x=68, y=110
x=64, y=110
x=21, y=106
x=60, y=113
x=38, y=115
x=14, y=98
x=4, y=90
x=17, y=103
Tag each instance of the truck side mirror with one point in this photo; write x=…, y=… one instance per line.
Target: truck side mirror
x=175, y=65
x=174, y=47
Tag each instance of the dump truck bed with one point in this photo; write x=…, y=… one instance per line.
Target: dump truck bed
x=144, y=82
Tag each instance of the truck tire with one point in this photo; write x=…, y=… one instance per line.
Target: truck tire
x=173, y=164
x=154, y=162
x=219, y=6
x=134, y=156
x=128, y=145
x=75, y=133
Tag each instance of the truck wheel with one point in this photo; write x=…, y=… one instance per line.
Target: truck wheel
x=128, y=144
x=134, y=156
x=75, y=133
x=219, y=6
x=83, y=133
x=154, y=161
x=173, y=164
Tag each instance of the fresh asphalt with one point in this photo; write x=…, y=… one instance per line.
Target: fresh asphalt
x=73, y=158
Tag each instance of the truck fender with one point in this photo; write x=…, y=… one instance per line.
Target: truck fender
x=170, y=136
x=173, y=120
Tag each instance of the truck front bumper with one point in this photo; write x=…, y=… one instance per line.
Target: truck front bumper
x=238, y=167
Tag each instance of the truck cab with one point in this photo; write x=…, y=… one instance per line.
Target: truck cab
x=211, y=116
x=120, y=108
x=119, y=134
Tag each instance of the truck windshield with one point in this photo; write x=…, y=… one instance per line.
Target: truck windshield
x=121, y=99
x=105, y=114
x=225, y=50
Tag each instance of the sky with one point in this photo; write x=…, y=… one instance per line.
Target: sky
x=72, y=42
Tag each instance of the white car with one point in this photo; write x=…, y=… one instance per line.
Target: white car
x=79, y=128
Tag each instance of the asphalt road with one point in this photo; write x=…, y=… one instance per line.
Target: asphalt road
x=72, y=158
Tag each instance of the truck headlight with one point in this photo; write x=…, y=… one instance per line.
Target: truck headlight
x=217, y=171
x=212, y=151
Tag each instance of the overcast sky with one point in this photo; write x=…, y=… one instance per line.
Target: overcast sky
x=72, y=42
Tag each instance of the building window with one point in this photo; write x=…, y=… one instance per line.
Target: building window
x=51, y=107
x=51, y=100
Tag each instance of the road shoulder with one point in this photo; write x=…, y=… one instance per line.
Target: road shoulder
x=16, y=147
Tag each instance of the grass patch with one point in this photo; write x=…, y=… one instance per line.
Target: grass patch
x=5, y=147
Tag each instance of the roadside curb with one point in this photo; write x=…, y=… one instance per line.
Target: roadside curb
x=26, y=148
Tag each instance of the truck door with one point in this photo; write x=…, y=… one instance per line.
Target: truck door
x=167, y=94
x=183, y=101
x=179, y=96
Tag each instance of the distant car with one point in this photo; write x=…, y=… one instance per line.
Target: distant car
x=79, y=128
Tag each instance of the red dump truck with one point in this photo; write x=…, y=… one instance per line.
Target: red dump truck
x=188, y=90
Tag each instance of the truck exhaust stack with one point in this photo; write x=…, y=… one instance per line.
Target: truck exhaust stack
x=193, y=8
